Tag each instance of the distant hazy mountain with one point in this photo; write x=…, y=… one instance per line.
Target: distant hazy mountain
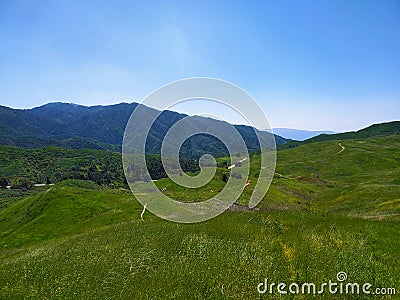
x=102, y=127
x=298, y=134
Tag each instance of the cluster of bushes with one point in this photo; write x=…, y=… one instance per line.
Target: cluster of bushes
x=16, y=183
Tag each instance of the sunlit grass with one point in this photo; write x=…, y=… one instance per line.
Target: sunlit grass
x=232, y=253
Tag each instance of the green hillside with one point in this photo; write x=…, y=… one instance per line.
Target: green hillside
x=333, y=206
x=355, y=177
x=376, y=130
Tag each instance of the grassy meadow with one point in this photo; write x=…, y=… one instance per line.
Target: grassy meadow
x=332, y=207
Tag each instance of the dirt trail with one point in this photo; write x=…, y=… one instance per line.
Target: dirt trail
x=341, y=150
x=380, y=216
x=280, y=175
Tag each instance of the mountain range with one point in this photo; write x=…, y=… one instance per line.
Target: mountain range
x=102, y=127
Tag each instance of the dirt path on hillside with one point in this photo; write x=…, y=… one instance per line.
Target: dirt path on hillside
x=380, y=216
x=341, y=150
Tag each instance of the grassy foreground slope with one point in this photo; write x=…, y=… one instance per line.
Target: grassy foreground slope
x=91, y=244
x=66, y=208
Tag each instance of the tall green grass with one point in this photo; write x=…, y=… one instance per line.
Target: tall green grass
x=224, y=258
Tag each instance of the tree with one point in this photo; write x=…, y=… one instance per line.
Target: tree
x=224, y=177
x=21, y=183
x=3, y=182
x=223, y=164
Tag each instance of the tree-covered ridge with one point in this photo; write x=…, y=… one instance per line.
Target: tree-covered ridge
x=52, y=164
x=102, y=127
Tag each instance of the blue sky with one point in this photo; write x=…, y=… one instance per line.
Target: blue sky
x=332, y=65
